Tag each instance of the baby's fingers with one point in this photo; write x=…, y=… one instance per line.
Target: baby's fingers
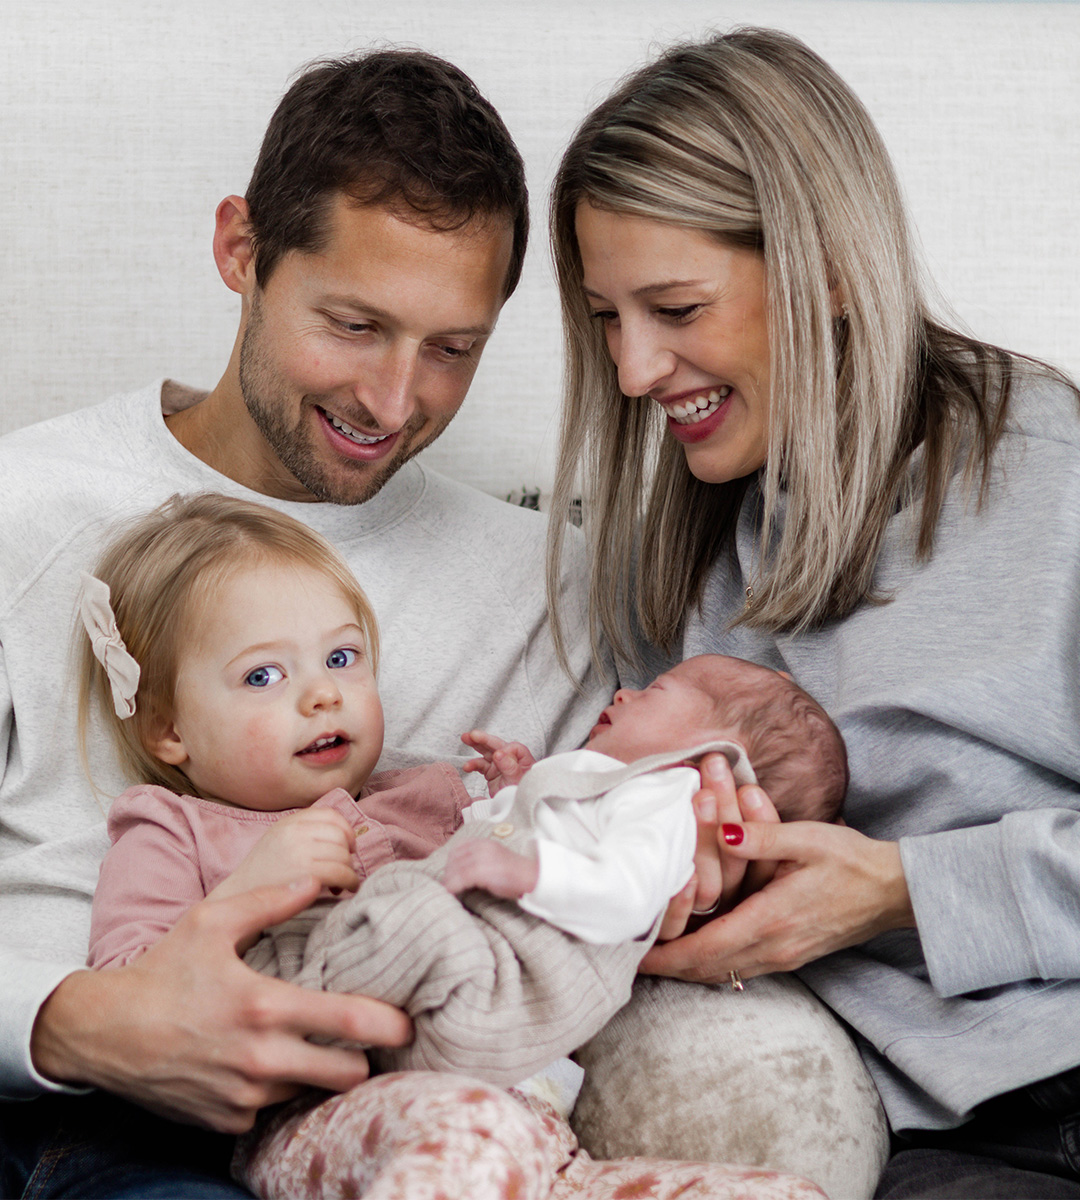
x=482, y=741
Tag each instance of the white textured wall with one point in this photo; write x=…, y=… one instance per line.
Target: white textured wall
x=119, y=134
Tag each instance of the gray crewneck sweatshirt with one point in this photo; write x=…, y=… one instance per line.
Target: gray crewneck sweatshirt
x=959, y=701
x=456, y=579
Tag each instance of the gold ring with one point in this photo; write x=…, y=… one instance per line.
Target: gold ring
x=737, y=984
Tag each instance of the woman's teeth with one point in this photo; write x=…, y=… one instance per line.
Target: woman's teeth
x=697, y=408
x=353, y=434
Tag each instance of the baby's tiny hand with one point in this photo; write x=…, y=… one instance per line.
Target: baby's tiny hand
x=316, y=841
x=503, y=764
x=479, y=863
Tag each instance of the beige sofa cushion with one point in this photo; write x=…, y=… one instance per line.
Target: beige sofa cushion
x=765, y=1077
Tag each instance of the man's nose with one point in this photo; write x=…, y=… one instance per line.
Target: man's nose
x=389, y=394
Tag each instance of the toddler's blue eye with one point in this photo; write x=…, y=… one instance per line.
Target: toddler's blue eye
x=263, y=676
x=344, y=657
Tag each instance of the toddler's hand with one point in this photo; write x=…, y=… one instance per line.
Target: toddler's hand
x=479, y=863
x=316, y=841
x=503, y=764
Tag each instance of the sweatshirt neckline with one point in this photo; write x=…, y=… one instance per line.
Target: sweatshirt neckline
x=338, y=522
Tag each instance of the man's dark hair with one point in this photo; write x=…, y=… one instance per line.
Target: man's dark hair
x=396, y=128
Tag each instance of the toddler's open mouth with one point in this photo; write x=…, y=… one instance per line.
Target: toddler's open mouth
x=331, y=747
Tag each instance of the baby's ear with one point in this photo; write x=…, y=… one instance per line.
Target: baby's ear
x=164, y=742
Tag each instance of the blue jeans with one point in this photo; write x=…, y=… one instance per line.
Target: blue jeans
x=99, y=1147
x=1024, y=1145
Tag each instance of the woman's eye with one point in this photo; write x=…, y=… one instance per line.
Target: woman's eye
x=607, y=316
x=681, y=313
x=263, y=676
x=341, y=658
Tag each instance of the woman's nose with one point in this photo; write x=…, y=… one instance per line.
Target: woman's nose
x=641, y=358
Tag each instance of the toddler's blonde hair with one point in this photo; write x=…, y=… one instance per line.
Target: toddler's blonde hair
x=162, y=570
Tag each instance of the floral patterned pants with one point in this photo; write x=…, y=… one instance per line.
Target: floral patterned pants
x=421, y=1135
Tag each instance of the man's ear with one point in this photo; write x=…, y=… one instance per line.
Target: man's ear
x=165, y=743
x=234, y=247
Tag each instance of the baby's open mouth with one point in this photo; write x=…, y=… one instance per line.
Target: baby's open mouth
x=324, y=743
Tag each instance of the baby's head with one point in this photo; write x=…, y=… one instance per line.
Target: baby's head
x=256, y=650
x=795, y=749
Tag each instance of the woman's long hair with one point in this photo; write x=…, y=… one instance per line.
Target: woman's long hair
x=752, y=138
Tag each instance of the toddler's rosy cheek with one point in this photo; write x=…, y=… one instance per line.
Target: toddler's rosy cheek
x=260, y=740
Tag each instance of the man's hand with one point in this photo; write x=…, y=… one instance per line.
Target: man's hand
x=833, y=888
x=315, y=841
x=719, y=878
x=479, y=863
x=503, y=764
x=190, y=1032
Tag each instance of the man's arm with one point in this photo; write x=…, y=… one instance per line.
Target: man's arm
x=190, y=1032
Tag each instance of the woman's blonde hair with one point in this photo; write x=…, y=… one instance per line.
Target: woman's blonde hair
x=752, y=138
x=162, y=569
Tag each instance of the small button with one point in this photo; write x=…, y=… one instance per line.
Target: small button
x=362, y=829
x=504, y=830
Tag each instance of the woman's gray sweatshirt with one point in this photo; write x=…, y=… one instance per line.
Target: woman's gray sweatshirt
x=959, y=701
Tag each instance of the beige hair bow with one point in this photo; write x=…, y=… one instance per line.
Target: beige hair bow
x=99, y=620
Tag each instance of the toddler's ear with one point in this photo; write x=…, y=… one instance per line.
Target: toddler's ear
x=164, y=742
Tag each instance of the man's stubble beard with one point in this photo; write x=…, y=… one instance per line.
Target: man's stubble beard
x=268, y=404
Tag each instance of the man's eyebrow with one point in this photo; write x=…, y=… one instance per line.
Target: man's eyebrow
x=362, y=308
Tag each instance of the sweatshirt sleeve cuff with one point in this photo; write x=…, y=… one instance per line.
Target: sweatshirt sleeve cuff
x=36, y=981
x=970, y=925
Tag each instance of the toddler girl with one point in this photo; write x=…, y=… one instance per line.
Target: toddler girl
x=234, y=655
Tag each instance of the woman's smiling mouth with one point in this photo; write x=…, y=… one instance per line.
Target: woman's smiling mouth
x=696, y=408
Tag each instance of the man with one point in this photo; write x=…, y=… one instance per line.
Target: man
x=383, y=228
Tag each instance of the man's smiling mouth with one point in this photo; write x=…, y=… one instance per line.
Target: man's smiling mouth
x=354, y=435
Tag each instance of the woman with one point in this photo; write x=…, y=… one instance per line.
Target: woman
x=832, y=482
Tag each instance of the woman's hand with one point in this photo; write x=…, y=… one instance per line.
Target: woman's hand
x=719, y=877
x=832, y=888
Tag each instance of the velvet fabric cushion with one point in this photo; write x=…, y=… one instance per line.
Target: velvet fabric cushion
x=766, y=1077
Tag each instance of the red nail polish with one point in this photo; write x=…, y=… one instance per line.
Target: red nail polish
x=733, y=834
